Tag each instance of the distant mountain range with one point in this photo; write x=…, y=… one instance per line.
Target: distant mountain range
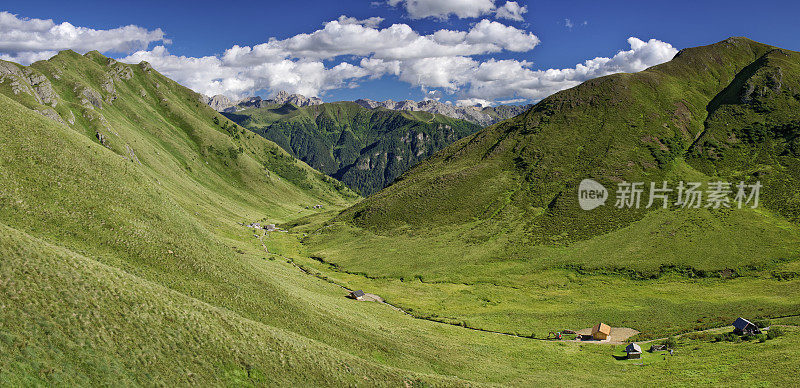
x=365, y=144
x=221, y=103
x=476, y=114
x=480, y=115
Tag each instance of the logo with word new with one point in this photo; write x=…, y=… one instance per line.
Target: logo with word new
x=684, y=195
x=591, y=194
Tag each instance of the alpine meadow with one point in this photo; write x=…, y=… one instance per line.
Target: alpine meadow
x=630, y=221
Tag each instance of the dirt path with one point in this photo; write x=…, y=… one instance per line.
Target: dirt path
x=368, y=297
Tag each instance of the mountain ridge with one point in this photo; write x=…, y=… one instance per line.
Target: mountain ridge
x=477, y=114
x=682, y=123
x=222, y=103
x=481, y=115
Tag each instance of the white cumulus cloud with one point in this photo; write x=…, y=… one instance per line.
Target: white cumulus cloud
x=511, y=10
x=361, y=50
x=212, y=75
x=372, y=22
x=475, y=102
x=398, y=41
x=515, y=80
x=442, y=9
x=27, y=40
x=500, y=79
x=343, y=53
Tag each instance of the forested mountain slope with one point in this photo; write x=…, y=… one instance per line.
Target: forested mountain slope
x=364, y=148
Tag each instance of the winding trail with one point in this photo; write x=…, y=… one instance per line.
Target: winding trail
x=401, y=310
x=318, y=276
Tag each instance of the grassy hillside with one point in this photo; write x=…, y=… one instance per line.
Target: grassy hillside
x=488, y=232
x=106, y=249
x=364, y=148
x=753, y=130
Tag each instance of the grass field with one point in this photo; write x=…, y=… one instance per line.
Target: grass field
x=92, y=331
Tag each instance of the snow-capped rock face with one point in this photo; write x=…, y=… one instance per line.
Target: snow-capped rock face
x=221, y=103
x=475, y=114
x=218, y=103
x=298, y=100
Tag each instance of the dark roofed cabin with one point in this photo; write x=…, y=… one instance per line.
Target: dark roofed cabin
x=357, y=295
x=742, y=326
x=633, y=350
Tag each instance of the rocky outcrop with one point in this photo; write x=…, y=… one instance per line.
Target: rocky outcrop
x=111, y=92
x=249, y=102
x=26, y=80
x=9, y=69
x=90, y=97
x=51, y=114
x=42, y=88
x=146, y=66
x=120, y=72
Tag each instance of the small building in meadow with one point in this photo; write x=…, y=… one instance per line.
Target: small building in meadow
x=357, y=295
x=658, y=348
x=633, y=350
x=742, y=326
x=601, y=331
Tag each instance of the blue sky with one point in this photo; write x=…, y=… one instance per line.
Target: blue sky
x=596, y=29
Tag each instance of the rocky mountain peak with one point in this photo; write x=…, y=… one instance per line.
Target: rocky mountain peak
x=224, y=104
x=475, y=114
x=218, y=102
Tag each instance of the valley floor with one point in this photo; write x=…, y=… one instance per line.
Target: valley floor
x=381, y=347
x=514, y=358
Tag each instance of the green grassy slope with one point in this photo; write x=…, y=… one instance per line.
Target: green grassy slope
x=753, y=130
x=79, y=322
x=611, y=128
x=491, y=230
x=364, y=148
x=155, y=233
x=71, y=320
